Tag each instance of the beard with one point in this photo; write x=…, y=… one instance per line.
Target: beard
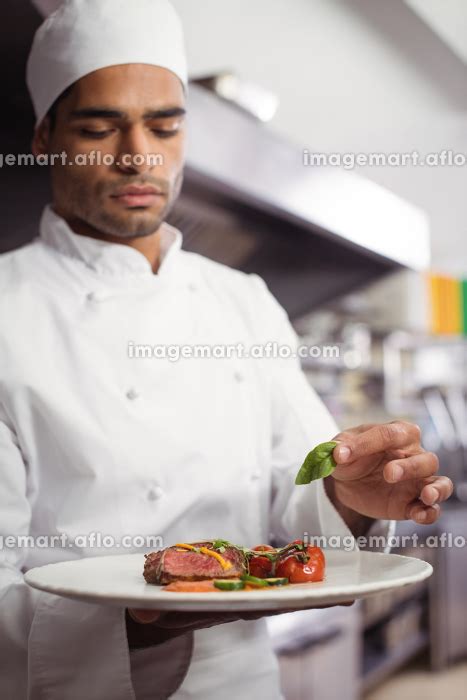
x=92, y=207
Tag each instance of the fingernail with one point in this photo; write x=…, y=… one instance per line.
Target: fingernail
x=421, y=517
x=433, y=496
x=145, y=617
x=343, y=453
x=397, y=472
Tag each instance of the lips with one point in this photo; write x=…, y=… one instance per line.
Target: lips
x=137, y=190
x=134, y=196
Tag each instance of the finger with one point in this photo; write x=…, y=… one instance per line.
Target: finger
x=388, y=436
x=437, y=491
x=194, y=620
x=144, y=617
x=364, y=427
x=419, y=466
x=284, y=611
x=425, y=515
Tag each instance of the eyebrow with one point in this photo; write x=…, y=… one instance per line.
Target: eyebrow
x=107, y=113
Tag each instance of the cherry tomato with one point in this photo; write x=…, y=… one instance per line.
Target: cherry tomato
x=316, y=552
x=262, y=567
x=298, y=571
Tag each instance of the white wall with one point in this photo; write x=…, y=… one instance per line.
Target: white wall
x=352, y=75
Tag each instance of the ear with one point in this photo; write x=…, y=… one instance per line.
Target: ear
x=41, y=140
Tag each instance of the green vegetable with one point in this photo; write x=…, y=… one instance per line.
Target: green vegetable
x=277, y=581
x=318, y=463
x=268, y=554
x=228, y=584
x=254, y=581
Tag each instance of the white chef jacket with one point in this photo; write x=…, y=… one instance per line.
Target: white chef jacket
x=94, y=440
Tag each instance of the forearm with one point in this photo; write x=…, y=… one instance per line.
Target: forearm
x=358, y=524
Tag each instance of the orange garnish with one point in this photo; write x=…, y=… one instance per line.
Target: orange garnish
x=223, y=562
x=210, y=552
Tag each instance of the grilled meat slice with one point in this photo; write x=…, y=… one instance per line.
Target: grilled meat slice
x=177, y=564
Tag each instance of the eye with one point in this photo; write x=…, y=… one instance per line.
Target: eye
x=165, y=133
x=89, y=134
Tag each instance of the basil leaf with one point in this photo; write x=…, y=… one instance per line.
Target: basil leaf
x=318, y=464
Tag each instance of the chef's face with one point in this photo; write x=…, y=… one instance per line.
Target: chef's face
x=123, y=129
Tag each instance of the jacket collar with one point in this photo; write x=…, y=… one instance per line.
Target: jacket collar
x=104, y=257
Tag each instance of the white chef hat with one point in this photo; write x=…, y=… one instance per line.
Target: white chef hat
x=85, y=35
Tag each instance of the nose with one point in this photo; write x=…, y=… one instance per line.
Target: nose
x=135, y=154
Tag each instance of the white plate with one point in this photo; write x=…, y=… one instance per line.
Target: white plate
x=118, y=580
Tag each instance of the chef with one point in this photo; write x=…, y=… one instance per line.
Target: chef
x=95, y=440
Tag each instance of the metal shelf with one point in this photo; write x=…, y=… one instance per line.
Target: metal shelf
x=415, y=593
x=380, y=664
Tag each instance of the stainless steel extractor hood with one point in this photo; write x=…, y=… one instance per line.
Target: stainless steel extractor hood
x=313, y=233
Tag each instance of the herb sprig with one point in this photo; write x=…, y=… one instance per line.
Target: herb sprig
x=318, y=464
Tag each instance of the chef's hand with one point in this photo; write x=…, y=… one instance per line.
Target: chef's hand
x=151, y=627
x=148, y=628
x=188, y=621
x=383, y=472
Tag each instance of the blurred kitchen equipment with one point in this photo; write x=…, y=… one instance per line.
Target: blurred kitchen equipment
x=311, y=645
x=439, y=414
x=425, y=377
x=456, y=400
x=307, y=249
x=251, y=98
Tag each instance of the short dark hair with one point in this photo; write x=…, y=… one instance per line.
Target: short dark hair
x=52, y=113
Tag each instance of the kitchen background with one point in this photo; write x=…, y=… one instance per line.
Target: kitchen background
x=370, y=259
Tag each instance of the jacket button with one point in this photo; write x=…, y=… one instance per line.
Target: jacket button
x=238, y=376
x=255, y=476
x=154, y=493
x=94, y=297
x=132, y=394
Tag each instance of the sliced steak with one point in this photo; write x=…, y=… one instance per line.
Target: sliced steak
x=175, y=564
